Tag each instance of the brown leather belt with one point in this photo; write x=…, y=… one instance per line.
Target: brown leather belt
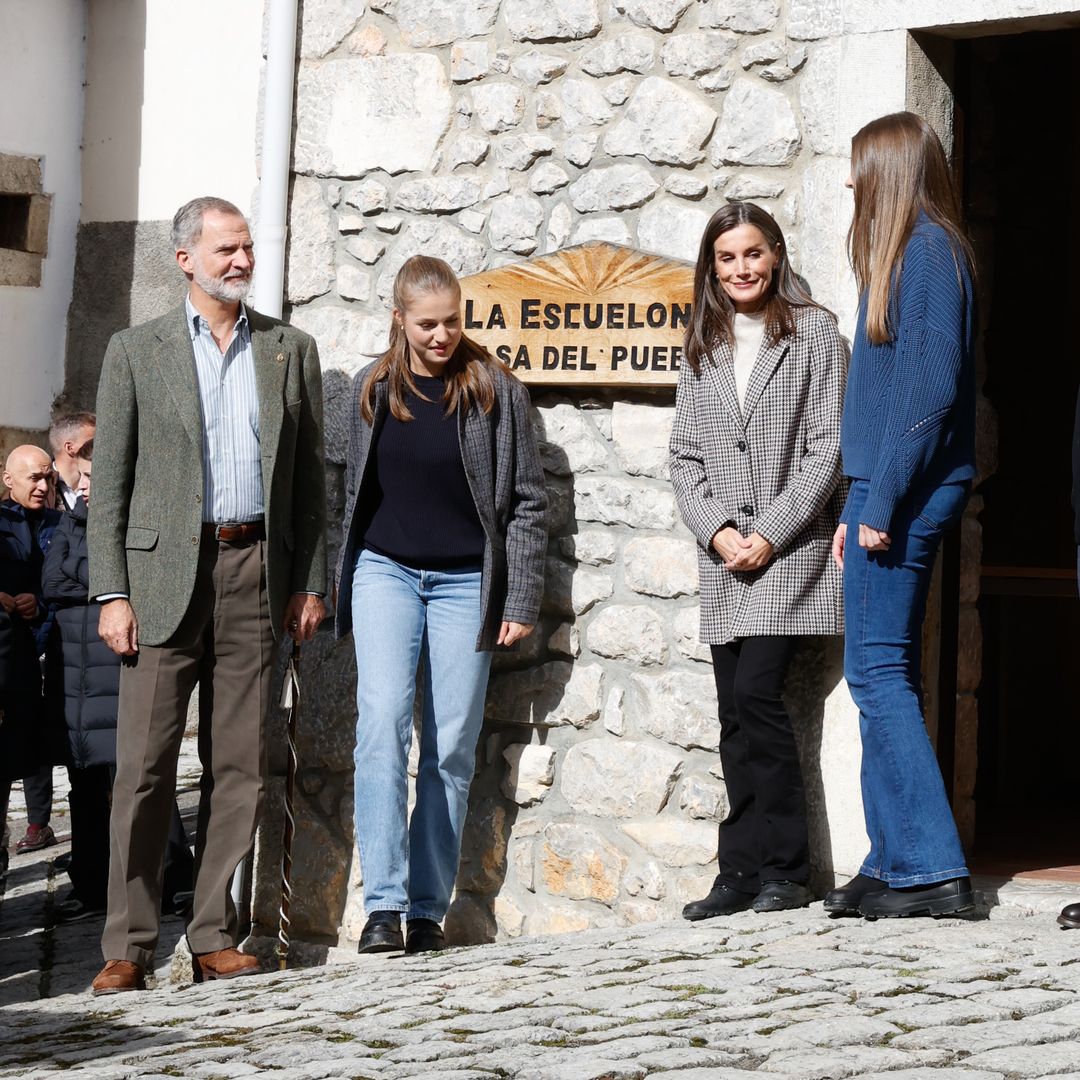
x=246, y=533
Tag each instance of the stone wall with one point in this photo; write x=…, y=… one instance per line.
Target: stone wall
x=483, y=133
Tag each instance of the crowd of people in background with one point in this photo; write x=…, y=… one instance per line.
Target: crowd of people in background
x=817, y=480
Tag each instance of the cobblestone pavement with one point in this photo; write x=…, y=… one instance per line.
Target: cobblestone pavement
x=796, y=995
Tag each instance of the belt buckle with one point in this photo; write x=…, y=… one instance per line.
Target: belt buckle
x=219, y=529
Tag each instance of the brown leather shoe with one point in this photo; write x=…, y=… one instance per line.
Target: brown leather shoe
x=117, y=977
x=223, y=964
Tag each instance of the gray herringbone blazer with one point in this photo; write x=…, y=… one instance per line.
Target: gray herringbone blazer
x=772, y=467
x=143, y=533
x=502, y=465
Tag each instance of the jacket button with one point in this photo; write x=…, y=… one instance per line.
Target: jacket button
x=194, y=539
x=741, y=444
x=198, y=498
x=747, y=509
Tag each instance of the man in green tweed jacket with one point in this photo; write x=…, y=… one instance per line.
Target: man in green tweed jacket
x=207, y=541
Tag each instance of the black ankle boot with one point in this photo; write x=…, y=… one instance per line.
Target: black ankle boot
x=381, y=933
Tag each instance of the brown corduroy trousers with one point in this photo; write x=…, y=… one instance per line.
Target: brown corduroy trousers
x=224, y=644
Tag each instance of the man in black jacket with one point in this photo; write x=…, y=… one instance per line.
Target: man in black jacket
x=26, y=528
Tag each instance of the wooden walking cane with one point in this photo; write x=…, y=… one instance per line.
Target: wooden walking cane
x=290, y=699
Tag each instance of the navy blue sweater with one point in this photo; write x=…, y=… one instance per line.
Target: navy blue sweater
x=909, y=413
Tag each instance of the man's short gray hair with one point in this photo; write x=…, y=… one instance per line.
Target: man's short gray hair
x=188, y=221
x=67, y=426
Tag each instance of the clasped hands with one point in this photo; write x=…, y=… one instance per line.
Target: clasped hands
x=24, y=604
x=741, y=552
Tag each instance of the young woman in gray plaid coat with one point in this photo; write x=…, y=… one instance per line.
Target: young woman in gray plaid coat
x=442, y=563
x=755, y=461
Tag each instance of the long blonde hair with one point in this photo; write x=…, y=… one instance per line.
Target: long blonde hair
x=470, y=372
x=898, y=167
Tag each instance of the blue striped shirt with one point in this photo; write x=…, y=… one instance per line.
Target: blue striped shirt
x=232, y=463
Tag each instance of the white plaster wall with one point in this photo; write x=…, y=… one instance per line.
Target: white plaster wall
x=172, y=105
x=41, y=76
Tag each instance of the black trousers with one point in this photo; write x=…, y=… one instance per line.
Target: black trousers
x=38, y=792
x=90, y=799
x=763, y=838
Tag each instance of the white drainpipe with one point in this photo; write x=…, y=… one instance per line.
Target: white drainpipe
x=269, y=285
x=276, y=157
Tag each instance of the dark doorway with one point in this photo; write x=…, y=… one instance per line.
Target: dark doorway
x=1018, y=111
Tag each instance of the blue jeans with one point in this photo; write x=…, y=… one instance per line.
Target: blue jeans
x=913, y=837
x=405, y=619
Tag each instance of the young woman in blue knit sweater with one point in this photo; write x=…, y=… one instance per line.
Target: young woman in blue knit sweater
x=908, y=444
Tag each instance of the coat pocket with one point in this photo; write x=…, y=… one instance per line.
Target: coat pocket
x=141, y=539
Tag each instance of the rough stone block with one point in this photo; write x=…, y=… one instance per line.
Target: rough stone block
x=552, y=695
x=679, y=707
x=424, y=23
x=483, y=848
x=583, y=105
x=677, y=843
x=597, y=547
x=578, y=863
x=614, y=501
x=469, y=60
x=757, y=127
x=661, y=566
x=685, y=629
x=570, y=590
x=674, y=230
x=700, y=799
x=530, y=772
x=696, y=53
x=663, y=15
x=536, y=68
x=628, y=632
x=612, y=230
x=326, y=24
x=438, y=194
x=554, y=20
x=742, y=16
x=312, y=238
x=499, y=106
x=632, y=51
x=663, y=122
x=515, y=224
x=617, y=187
x=620, y=779
x=379, y=112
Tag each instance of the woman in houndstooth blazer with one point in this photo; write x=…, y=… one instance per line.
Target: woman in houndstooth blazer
x=442, y=563
x=755, y=461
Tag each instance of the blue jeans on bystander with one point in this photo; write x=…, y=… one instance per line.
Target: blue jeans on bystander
x=405, y=619
x=913, y=837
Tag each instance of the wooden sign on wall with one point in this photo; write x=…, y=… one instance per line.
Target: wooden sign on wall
x=596, y=315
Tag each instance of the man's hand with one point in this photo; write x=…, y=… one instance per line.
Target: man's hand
x=303, y=614
x=512, y=632
x=26, y=605
x=118, y=627
x=873, y=539
x=727, y=543
x=7, y=602
x=838, y=540
x=754, y=552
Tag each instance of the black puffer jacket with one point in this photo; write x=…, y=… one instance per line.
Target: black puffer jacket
x=82, y=674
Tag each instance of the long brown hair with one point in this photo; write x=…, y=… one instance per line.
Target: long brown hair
x=714, y=312
x=898, y=167
x=470, y=371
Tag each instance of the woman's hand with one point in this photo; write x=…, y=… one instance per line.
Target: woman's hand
x=839, y=538
x=510, y=633
x=873, y=539
x=727, y=543
x=754, y=552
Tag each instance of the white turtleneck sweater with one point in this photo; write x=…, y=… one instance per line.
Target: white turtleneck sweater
x=749, y=333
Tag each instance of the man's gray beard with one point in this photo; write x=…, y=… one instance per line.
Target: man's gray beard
x=227, y=290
